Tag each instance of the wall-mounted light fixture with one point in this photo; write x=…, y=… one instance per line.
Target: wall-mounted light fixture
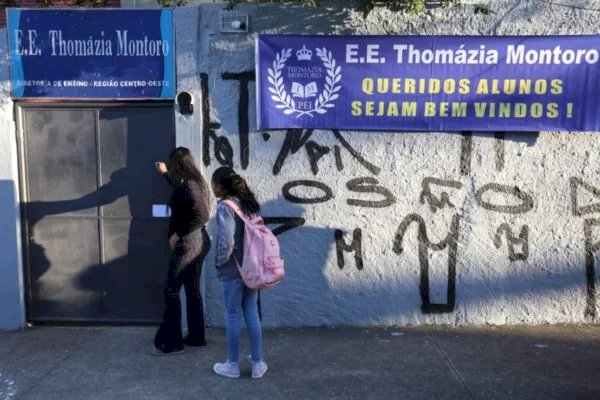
x=234, y=22
x=185, y=101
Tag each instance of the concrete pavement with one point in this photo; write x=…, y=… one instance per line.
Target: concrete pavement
x=545, y=362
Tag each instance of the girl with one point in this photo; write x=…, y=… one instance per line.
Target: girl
x=189, y=241
x=227, y=184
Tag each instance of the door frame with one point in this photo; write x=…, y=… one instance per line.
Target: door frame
x=19, y=107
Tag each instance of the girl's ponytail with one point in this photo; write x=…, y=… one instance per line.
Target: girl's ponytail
x=235, y=185
x=248, y=201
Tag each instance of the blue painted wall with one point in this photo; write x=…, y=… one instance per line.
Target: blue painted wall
x=11, y=310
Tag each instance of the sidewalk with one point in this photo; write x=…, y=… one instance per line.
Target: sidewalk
x=549, y=362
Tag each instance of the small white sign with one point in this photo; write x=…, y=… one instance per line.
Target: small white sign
x=161, y=211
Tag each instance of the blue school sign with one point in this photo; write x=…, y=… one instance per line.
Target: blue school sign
x=92, y=53
x=433, y=83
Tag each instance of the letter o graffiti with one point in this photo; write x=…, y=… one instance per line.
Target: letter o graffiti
x=287, y=188
x=526, y=200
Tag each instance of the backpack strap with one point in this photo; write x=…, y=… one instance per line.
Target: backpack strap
x=253, y=219
x=236, y=208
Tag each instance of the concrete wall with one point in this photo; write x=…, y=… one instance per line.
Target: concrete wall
x=541, y=267
x=12, y=312
x=525, y=268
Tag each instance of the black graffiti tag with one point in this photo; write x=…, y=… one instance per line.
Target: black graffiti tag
x=370, y=167
x=285, y=223
x=526, y=201
x=424, y=245
x=223, y=150
x=287, y=192
x=354, y=247
x=358, y=185
x=427, y=195
x=466, y=151
x=295, y=139
x=243, y=110
x=575, y=185
x=370, y=185
x=591, y=247
x=293, y=142
x=315, y=153
x=512, y=241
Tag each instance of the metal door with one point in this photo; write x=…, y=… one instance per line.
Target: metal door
x=93, y=251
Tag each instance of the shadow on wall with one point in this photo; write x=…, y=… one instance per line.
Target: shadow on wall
x=79, y=268
x=318, y=292
x=306, y=250
x=315, y=285
x=96, y=284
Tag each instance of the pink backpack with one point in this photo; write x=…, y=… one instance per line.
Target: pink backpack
x=262, y=267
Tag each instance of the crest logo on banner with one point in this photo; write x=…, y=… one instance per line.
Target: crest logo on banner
x=303, y=83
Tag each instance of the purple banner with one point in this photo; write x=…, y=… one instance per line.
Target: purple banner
x=429, y=83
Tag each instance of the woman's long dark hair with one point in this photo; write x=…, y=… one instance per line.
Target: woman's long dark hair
x=235, y=185
x=182, y=167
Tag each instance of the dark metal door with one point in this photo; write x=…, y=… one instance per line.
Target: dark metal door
x=94, y=252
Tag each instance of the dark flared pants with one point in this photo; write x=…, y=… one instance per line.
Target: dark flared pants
x=185, y=268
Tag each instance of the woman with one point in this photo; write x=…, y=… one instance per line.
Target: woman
x=190, y=209
x=238, y=298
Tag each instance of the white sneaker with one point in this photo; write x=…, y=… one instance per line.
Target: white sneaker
x=259, y=369
x=227, y=369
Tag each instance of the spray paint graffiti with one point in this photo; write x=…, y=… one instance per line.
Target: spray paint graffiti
x=369, y=185
x=285, y=223
x=295, y=139
x=244, y=79
x=370, y=192
x=466, y=152
x=579, y=188
x=526, y=201
x=591, y=247
x=223, y=151
x=424, y=245
x=292, y=198
x=354, y=247
x=441, y=201
x=512, y=242
x=576, y=185
x=358, y=185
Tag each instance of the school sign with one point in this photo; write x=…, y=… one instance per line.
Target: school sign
x=433, y=83
x=91, y=53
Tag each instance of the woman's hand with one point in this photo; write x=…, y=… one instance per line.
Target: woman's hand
x=161, y=167
x=173, y=241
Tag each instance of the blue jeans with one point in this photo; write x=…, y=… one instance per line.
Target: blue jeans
x=237, y=298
